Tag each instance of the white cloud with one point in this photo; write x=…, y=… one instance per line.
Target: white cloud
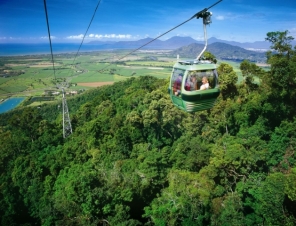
x=76, y=36
x=124, y=36
x=109, y=36
x=2, y=38
x=100, y=36
x=220, y=17
x=15, y=38
x=46, y=37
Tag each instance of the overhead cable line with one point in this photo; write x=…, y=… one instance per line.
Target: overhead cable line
x=197, y=16
x=49, y=36
x=87, y=30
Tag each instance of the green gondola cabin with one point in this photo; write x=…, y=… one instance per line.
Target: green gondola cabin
x=192, y=99
x=194, y=83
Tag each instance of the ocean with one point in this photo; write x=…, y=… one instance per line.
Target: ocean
x=44, y=48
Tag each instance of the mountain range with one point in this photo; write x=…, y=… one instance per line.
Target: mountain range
x=222, y=51
x=177, y=42
x=187, y=47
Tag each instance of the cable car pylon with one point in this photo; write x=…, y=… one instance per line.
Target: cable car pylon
x=67, y=127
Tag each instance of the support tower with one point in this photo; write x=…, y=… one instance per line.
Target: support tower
x=67, y=128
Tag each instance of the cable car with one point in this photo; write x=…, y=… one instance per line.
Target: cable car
x=194, y=83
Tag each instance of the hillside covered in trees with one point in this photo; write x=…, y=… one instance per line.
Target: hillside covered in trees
x=135, y=159
x=222, y=51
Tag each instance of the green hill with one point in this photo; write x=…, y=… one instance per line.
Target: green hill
x=222, y=51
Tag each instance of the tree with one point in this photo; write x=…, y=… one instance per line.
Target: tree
x=282, y=75
x=209, y=56
x=281, y=147
x=250, y=71
x=135, y=159
x=230, y=211
x=227, y=80
x=184, y=202
x=272, y=199
x=280, y=41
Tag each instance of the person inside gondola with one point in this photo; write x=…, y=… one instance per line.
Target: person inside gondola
x=191, y=84
x=177, y=85
x=205, y=83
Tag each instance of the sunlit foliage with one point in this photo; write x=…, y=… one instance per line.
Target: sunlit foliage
x=135, y=159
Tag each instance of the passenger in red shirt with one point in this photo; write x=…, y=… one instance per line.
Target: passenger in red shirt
x=177, y=85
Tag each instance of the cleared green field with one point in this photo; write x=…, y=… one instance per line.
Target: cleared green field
x=13, y=89
x=151, y=63
x=38, y=74
x=118, y=78
x=4, y=80
x=92, y=77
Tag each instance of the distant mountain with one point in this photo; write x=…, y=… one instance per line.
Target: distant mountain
x=177, y=42
x=101, y=42
x=190, y=48
x=137, y=44
x=221, y=51
x=258, y=45
x=172, y=43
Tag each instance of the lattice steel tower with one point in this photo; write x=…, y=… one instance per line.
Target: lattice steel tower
x=67, y=127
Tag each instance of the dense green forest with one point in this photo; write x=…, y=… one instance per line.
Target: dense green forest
x=135, y=159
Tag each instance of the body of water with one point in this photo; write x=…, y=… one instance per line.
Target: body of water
x=7, y=49
x=34, y=49
x=10, y=104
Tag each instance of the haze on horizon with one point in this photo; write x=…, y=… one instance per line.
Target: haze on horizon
x=130, y=20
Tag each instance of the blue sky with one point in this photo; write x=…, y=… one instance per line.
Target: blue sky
x=123, y=20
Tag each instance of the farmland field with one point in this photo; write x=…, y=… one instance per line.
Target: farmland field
x=31, y=76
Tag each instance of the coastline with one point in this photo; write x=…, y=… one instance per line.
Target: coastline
x=19, y=49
